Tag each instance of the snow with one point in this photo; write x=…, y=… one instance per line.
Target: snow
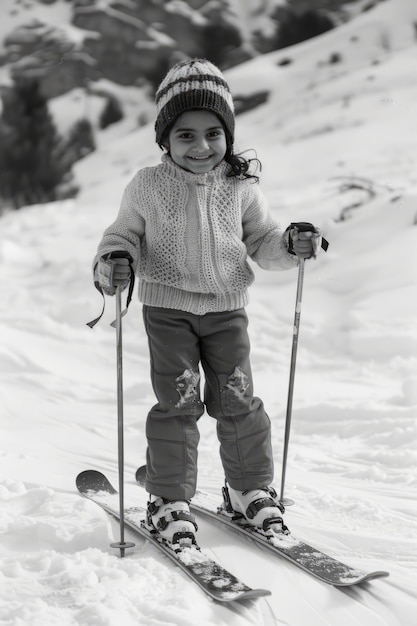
x=330, y=136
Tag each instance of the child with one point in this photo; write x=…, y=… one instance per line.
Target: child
x=187, y=226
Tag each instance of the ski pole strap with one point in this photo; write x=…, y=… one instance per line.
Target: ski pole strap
x=97, y=319
x=304, y=227
x=128, y=300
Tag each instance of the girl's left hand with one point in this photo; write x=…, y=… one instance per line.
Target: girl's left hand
x=305, y=244
x=304, y=240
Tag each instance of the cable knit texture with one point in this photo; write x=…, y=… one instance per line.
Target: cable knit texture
x=190, y=235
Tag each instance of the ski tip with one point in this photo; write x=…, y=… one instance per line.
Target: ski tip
x=92, y=480
x=350, y=582
x=253, y=594
x=141, y=475
x=377, y=574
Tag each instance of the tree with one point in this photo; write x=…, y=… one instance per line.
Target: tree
x=111, y=113
x=30, y=167
x=295, y=27
x=219, y=38
x=79, y=143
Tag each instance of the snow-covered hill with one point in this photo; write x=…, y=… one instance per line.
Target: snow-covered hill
x=337, y=141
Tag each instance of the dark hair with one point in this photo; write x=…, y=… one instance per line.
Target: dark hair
x=240, y=167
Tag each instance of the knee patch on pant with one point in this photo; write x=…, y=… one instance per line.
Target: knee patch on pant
x=178, y=393
x=236, y=392
x=187, y=386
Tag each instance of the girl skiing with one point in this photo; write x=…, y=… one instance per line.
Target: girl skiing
x=187, y=227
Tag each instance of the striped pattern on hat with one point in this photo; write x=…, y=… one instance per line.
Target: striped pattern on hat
x=195, y=84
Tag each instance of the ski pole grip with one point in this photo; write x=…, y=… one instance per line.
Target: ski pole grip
x=303, y=227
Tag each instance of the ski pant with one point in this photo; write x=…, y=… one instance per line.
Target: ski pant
x=178, y=343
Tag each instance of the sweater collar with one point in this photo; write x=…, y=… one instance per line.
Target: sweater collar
x=175, y=171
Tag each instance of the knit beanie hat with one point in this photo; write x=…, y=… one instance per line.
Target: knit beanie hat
x=193, y=84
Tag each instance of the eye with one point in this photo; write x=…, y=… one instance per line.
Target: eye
x=185, y=135
x=213, y=134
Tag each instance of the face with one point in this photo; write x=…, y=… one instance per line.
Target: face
x=197, y=141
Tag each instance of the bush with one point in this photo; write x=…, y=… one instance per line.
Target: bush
x=218, y=40
x=30, y=165
x=295, y=27
x=80, y=141
x=111, y=113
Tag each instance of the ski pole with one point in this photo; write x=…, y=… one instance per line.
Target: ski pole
x=296, y=330
x=122, y=544
x=300, y=227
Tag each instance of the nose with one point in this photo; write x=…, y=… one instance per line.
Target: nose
x=202, y=144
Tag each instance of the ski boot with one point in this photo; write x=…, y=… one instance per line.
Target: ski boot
x=258, y=507
x=172, y=520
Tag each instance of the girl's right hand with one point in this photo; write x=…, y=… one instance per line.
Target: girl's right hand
x=114, y=270
x=121, y=271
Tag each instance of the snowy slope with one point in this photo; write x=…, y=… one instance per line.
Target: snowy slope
x=330, y=136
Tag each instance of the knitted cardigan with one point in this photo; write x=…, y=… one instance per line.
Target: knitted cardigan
x=190, y=235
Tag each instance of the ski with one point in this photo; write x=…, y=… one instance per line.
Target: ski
x=210, y=576
x=310, y=559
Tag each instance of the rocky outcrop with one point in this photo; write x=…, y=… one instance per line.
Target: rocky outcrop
x=123, y=46
x=39, y=51
x=139, y=39
x=132, y=41
x=125, y=41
